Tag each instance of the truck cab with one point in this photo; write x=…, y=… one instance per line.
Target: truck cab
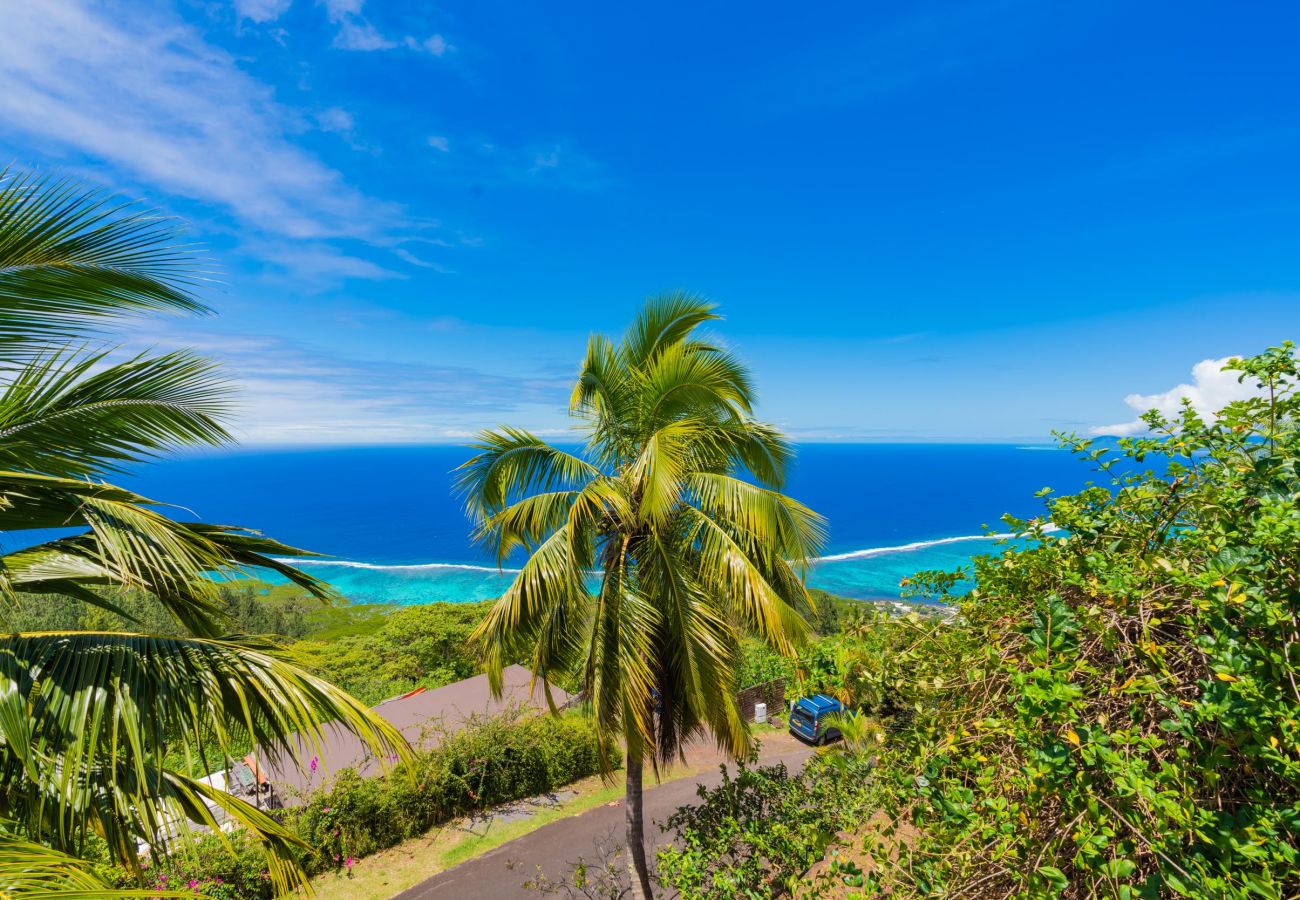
x=808, y=719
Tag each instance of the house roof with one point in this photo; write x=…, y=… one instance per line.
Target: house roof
x=425, y=718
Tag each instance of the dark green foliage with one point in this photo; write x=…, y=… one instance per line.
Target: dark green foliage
x=1123, y=718
x=755, y=834
x=882, y=664
x=411, y=647
x=234, y=869
x=491, y=762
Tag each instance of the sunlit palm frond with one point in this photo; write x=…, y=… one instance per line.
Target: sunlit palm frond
x=666, y=320
x=79, y=414
x=512, y=463
x=88, y=716
x=127, y=542
x=735, y=573
x=792, y=530
x=72, y=257
x=31, y=871
x=681, y=380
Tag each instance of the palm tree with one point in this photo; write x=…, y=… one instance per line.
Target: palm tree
x=674, y=500
x=86, y=719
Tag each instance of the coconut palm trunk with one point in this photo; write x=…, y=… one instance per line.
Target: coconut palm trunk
x=675, y=502
x=637, y=864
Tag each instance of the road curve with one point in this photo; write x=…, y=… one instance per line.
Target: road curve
x=499, y=874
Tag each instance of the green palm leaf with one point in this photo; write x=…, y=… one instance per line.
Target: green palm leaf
x=86, y=720
x=88, y=716
x=674, y=501
x=71, y=258
x=76, y=414
x=34, y=872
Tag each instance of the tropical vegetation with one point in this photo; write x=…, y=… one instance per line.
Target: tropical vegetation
x=93, y=722
x=674, y=499
x=1113, y=712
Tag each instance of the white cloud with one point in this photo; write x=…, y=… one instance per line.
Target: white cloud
x=336, y=119
x=438, y=142
x=149, y=98
x=435, y=44
x=1211, y=390
x=289, y=393
x=262, y=11
x=358, y=34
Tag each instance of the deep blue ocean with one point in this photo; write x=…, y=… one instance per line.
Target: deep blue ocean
x=394, y=531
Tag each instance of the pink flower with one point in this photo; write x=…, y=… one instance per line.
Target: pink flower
x=315, y=761
x=194, y=885
x=349, y=862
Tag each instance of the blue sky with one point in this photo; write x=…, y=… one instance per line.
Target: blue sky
x=929, y=221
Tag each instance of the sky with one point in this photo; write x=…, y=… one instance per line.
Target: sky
x=959, y=221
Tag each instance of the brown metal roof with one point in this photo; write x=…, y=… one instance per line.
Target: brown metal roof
x=424, y=719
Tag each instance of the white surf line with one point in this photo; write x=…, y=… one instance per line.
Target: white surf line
x=919, y=545
x=378, y=567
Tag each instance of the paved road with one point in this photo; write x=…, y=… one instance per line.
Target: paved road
x=499, y=874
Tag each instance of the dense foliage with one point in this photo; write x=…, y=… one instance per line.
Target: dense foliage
x=1114, y=711
x=1126, y=718
x=97, y=727
x=405, y=648
x=492, y=761
x=759, y=831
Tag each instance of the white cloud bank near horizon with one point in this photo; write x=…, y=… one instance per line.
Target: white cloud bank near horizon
x=1211, y=389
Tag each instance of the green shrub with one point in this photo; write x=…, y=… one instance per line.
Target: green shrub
x=491, y=762
x=755, y=834
x=1122, y=719
x=234, y=869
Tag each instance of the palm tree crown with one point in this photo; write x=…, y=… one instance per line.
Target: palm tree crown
x=87, y=719
x=674, y=502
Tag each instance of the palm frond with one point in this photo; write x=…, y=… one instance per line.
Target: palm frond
x=72, y=258
x=666, y=320
x=87, y=718
x=128, y=543
x=31, y=871
x=69, y=414
x=682, y=381
x=512, y=463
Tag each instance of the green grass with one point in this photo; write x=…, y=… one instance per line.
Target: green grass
x=391, y=871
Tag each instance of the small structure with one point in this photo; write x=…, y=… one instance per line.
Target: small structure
x=424, y=717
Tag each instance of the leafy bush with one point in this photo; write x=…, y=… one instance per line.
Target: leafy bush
x=756, y=833
x=233, y=869
x=881, y=664
x=491, y=762
x=414, y=646
x=1122, y=717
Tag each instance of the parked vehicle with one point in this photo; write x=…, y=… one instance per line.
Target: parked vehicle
x=808, y=719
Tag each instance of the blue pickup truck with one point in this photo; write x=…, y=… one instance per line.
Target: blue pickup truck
x=808, y=719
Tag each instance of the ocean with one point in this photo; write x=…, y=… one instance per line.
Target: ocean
x=394, y=532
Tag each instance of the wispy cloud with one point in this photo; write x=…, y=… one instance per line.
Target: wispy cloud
x=1211, y=389
x=150, y=100
x=487, y=163
x=292, y=393
x=357, y=32
x=262, y=11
